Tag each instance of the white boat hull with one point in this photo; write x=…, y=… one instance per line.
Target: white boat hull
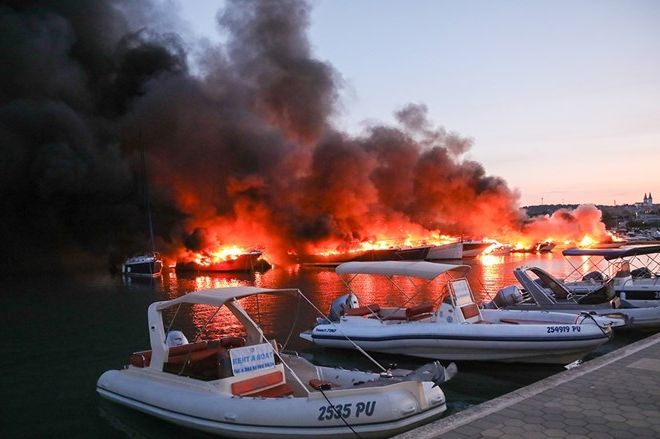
x=473, y=249
x=635, y=318
x=372, y=412
x=446, y=251
x=559, y=342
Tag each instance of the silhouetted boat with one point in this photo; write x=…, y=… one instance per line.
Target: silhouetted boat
x=150, y=265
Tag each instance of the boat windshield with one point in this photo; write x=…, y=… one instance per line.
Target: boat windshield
x=547, y=281
x=461, y=292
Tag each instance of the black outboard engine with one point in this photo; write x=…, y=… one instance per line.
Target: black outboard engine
x=641, y=273
x=507, y=296
x=340, y=305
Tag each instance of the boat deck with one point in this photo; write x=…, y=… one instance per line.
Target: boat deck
x=613, y=396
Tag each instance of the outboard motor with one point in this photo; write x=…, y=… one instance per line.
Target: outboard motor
x=508, y=296
x=433, y=372
x=340, y=305
x=175, y=338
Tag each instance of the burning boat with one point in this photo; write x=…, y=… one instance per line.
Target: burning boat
x=472, y=249
x=539, y=247
x=237, y=261
x=445, y=252
x=388, y=254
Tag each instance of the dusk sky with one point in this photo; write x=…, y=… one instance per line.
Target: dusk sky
x=561, y=98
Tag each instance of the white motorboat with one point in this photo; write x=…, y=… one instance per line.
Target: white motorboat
x=542, y=291
x=634, y=272
x=452, y=250
x=500, y=250
x=246, y=387
x=457, y=329
x=545, y=247
x=149, y=265
x=472, y=249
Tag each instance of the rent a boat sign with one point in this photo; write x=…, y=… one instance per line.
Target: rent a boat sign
x=252, y=358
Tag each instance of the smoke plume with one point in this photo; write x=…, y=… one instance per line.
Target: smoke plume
x=239, y=150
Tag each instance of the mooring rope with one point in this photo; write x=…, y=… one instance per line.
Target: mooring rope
x=342, y=332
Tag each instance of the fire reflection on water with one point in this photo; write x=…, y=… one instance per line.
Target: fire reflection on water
x=281, y=315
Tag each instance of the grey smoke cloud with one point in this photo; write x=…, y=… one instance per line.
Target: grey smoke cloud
x=246, y=140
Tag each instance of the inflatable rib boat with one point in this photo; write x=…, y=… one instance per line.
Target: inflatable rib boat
x=244, y=387
x=457, y=329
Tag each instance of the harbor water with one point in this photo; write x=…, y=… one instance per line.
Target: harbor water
x=60, y=333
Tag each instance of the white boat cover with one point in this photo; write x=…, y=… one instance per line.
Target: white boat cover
x=613, y=253
x=218, y=296
x=424, y=270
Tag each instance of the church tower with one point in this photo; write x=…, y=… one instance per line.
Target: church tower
x=646, y=200
x=650, y=199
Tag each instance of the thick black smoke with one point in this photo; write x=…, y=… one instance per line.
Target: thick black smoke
x=239, y=148
x=71, y=70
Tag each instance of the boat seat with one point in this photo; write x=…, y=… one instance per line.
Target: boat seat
x=140, y=359
x=143, y=358
x=270, y=385
x=275, y=392
x=419, y=312
x=470, y=311
x=394, y=316
x=232, y=342
x=194, y=356
x=363, y=310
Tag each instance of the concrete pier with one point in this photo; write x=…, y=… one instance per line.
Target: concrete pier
x=613, y=396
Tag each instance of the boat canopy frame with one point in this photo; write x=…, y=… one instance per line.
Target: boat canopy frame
x=216, y=297
x=429, y=271
x=609, y=261
x=220, y=297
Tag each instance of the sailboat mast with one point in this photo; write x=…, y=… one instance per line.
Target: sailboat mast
x=147, y=201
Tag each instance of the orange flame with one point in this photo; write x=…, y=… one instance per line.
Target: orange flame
x=220, y=254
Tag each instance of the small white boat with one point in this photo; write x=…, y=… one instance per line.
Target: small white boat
x=472, y=249
x=246, y=388
x=634, y=272
x=456, y=330
x=148, y=265
x=542, y=291
x=453, y=250
x=545, y=247
x=501, y=250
